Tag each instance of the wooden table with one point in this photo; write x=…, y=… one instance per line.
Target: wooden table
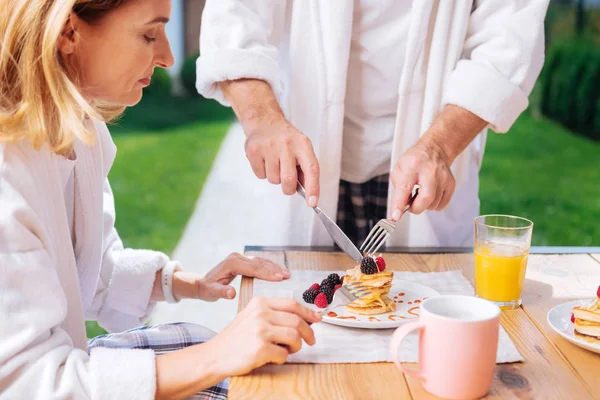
x=553, y=368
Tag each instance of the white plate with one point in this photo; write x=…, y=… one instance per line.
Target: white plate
x=559, y=319
x=408, y=295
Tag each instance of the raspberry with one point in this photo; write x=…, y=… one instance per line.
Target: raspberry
x=336, y=287
x=315, y=287
x=368, y=266
x=380, y=263
x=321, y=301
x=309, y=296
x=334, y=279
x=573, y=318
x=598, y=292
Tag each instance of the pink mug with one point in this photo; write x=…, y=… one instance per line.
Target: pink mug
x=458, y=342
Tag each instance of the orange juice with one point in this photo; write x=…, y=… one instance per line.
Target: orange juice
x=500, y=272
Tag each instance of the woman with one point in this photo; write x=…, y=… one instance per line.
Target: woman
x=67, y=67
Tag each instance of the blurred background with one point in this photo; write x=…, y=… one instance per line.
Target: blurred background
x=547, y=168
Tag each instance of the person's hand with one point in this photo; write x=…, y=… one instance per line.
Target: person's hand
x=215, y=284
x=266, y=331
x=283, y=155
x=427, y=165
x=276, y=150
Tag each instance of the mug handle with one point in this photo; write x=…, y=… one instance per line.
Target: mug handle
x=397, y=338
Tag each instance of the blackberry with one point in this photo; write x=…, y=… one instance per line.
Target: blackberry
x=328, y=292
x=326, y=282
x=334, y=279
x=309, y=296
x=368, y=266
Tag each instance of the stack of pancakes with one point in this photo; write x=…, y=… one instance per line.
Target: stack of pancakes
x=587, y=321
x=379, y=284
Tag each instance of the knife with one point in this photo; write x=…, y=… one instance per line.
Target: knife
x=336, y=233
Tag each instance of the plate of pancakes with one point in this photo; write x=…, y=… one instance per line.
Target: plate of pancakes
x=391, y=301
x=578, y=322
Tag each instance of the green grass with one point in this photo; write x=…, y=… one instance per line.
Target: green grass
x=166, y=147
x=541, y=171
x=159, y=172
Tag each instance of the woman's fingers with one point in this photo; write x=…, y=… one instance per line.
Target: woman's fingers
x=281, y=318
x=260, y=268
x=276, y=354
x=287, y=336
x=292, y=306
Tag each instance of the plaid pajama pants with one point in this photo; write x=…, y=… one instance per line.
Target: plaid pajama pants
x=163, y=339
x=361, y=206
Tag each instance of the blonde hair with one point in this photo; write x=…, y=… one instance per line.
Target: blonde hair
x=39, y=101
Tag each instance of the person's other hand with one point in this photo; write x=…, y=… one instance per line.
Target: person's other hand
x=427, y=165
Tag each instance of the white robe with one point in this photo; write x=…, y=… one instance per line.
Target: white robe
x=48, y=287
x=481, y=55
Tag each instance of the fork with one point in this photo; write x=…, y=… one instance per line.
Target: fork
x=346, y=294
x=383, y=230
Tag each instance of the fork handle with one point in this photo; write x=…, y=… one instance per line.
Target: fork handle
x=413, y=196
x=336, y=302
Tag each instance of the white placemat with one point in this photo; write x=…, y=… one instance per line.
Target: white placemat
x=346, y=345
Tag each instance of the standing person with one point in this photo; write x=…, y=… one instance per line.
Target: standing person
x=67, y=66
x=360, y=93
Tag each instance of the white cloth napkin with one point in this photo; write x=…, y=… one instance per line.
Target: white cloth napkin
x=337, y=344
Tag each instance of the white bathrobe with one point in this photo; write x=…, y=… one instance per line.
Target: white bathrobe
x=48, y=287
x=481, y=55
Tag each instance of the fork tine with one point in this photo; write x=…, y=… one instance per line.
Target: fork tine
x=376, y=231
x=375, y=240
x=355, y=284
x=360, y=293
x=382, y=226
x=366, y=241
x=357, y=289
x=383, y=239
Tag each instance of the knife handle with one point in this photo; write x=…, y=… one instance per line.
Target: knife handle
x=300, y=190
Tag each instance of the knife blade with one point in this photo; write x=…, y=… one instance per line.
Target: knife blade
x=335, y=232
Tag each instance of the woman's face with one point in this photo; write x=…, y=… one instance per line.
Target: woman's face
x=114, y=58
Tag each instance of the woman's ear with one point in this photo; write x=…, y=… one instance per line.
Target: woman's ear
x=69, y=38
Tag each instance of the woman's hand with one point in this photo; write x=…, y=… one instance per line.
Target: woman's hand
x=215, y=285
x=266, y=331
